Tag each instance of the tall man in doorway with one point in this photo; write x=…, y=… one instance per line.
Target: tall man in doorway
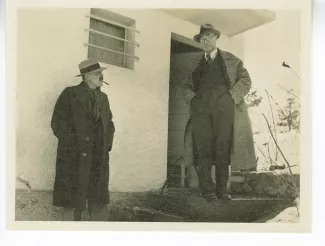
x=82, y=122
x=221, y=128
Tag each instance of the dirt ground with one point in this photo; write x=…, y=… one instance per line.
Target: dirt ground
x=36, y=206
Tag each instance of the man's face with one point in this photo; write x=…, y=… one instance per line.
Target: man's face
x=95, y=79
x=209, y=42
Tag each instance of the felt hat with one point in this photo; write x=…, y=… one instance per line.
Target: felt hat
x=205, y=29
x=89, y=66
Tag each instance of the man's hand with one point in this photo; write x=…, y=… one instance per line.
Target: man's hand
x=188, y=93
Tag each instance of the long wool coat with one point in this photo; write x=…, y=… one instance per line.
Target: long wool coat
x=243, y=152
x=73, y=125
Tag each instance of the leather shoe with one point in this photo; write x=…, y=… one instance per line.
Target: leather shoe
x=224, y=197
x=210, y=197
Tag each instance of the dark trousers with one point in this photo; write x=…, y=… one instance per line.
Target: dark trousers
x=212, y=117
x=96, y=213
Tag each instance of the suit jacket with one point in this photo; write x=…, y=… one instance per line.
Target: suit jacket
x=236, y=75
x=243, y=152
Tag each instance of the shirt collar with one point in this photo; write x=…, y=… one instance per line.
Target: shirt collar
x=213, y=54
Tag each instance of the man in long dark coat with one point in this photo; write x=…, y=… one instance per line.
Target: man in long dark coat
x=220, y=126
x=82, y=122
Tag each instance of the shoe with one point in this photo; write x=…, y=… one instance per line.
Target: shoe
x=224, y=197
x=209, y=197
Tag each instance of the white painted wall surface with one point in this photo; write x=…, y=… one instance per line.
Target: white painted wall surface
x=266, y=47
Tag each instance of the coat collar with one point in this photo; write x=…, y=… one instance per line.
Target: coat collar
x=83, y=97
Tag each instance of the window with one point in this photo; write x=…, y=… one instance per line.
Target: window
x=112, y=38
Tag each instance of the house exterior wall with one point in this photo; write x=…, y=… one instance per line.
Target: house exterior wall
x=50, y=47
x=266, y=47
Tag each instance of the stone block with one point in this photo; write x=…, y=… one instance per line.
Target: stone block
x=266, y=184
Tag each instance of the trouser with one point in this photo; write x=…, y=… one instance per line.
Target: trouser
x=212, y=117
x=96, y=213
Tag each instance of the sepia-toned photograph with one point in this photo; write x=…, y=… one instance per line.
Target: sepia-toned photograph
x=179, y=115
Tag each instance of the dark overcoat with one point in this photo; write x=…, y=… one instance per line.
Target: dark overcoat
x=243, y=152
x=74, y=126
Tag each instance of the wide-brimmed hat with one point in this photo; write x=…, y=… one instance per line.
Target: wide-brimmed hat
x=205, y=29
x=89, y=66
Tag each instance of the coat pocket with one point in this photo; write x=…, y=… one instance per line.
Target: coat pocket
x=109, y=137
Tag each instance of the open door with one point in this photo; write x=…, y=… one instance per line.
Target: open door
x=185, y=55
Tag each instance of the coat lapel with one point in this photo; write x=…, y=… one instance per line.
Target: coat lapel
x=197, y=73
x=229, y=65
x=83, y=98
x=103, y=110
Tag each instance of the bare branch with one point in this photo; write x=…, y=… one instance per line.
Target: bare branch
x=268, y=97
x=259, y=148
x=276, y=143
x=288, y=91
x=283, y=112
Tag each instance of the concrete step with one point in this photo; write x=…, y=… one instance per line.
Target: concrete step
x=193, y=207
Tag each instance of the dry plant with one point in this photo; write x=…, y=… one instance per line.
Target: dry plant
x=273, y=161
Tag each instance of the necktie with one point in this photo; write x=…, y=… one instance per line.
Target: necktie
x=209, y=58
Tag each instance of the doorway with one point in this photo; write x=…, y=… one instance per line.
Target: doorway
x=185, y=55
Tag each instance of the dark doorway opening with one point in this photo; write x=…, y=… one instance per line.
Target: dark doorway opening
x=185, y=55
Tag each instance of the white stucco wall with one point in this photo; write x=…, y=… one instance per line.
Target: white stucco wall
x=50, y=47
x=266, y=47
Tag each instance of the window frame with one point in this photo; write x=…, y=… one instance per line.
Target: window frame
x=129, y=39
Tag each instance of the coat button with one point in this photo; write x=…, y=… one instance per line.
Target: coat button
x=84, y=154
x=87, y=138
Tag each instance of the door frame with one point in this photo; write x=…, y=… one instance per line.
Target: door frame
x=189, y=42
x=185, y=40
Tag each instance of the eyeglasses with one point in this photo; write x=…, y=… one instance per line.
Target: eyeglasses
x=207, y=38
